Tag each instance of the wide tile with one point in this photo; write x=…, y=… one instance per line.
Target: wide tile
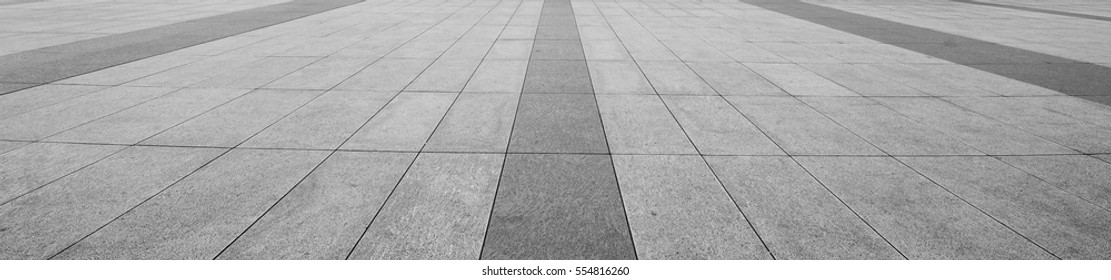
x=716, y=128
x=236, y=121
x=476, y=123
x=404, y=124
x=642, y=124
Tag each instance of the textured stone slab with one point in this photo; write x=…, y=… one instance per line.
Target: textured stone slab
x=598, y=50
x=796, y=216
x=510, y=50
x=50, y=120
x=1084, y=176
x=324, y=216
x=557, y=76
x=1055, y=219
x=192, y=73
x=716, y=128
x=8, y=146
x=557, y=50
x=27, y=100
x=798, y=129
x=137, y=123
x=476, y=123
x=798, y=81
x=863, y=81
x=888, y=130
x=618, y=77
x=729, y=78
x=42, y=223
x=558, y=207
x=33, y=165
x=987, y=135
x=498, y=76
x=203, y=213
x=387, y=74
x=557, y=123
x=321, y=74
x=642, y=124
x=236, y=121
x=323, y=123
x=439, y=210
x=257, y=74
x=674, y=78
x=678, y=210
x=404, y=124
x=1059, y=128
x=445, y=75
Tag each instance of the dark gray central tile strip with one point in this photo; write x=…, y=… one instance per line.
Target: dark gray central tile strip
x=1036, y=10
x=1077, y=78
x=45, y=65
x=558, y=197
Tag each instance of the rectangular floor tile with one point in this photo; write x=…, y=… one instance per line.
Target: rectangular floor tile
x=59, y=117
x=498, y=76
x=321, y=74
x=920, y=218
x=324, y=216
x=618, y=77
x=476, y=123
x=798, y=81
x=716, y=128
x=557, y=76
x=324, y=123
x=203, y=213
x=439, y=210
x=1084, y=176
x=796, y=216
x=987, y=135
x=510, y=49
x=387, y=74
x=674, y=78
x=256, y=74
x=557, y=50
x=137, y=123
x=729, y=78
x=32, y=166
x=888, y=130
x=236, y=121
x=863, y=81
x=558, y=207
x=678, y=210
x=1055, y=219
x=404, y=124
x=445, y=75
x=44, y=222
x=27, y=100
x=799, y=129
x=1051, y=125
x=642, y=124
x=557, y=123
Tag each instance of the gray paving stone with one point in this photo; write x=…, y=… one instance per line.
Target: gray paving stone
x=641, y=124
x=863, y=81
x=888, y=130
x=798, y=81
x=678, y=210
x=324, y=216
x=795, y=215
x=1084, y=176
x=476, y=123
x=597, y=50
x=618, y=77
x=1057, y=220
x=694, y=50
x=439, y=210
x=920, y=218
x=798, y=53
x=201, y=214
x=498, y=76
x=41, y=96
x=121, y=74
x=404, y=124
x=798, y=129
x=321, y=74
x=137, y=123
x=32, y=166
x=924, y=81
x=323, y=123
x=1064, y=130
x=61, y=116
x=558, y=207
x=387, y=74
x=716, y=128
x=510, y=49
x=1077, y=108
x=44, y=222
x=257, y=74
x=557, y=123
x=557, y=32
x=674, y=78
x=188, y=74
x=235, y=121
x=729, y=78
x=750, y=53
x=557, y=50
x=445, y=75
x=557, y=76
x=985, y=134
x=8, y=146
